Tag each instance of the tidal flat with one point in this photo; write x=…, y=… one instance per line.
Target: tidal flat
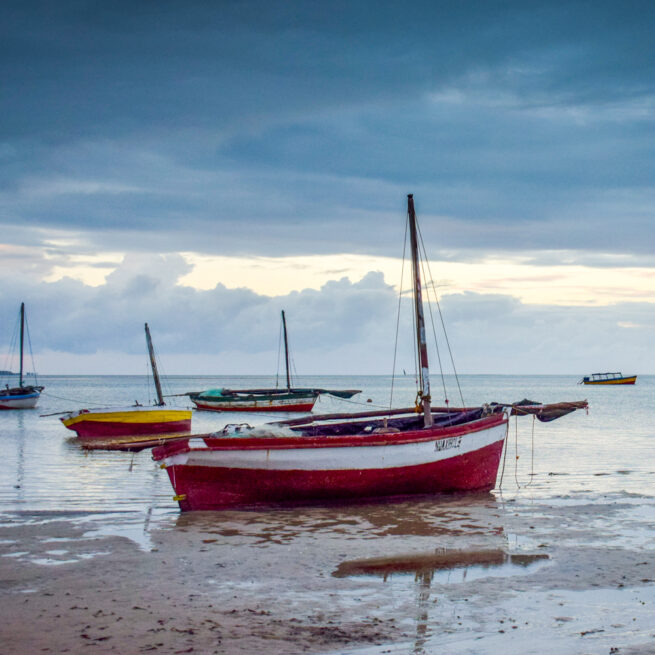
x=472, y=574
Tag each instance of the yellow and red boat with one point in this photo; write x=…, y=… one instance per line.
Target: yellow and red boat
x=126, y=421
x=608, y=378
x=135, y=420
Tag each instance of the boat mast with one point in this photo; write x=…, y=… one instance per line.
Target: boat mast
x=286, y=349
x=421, y=344
x=153, y=364
x=22, y=338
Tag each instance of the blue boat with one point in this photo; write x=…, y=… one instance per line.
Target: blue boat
x=24, y=396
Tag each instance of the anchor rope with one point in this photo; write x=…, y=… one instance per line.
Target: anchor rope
x=516, y=449
x=532, y=474
x=502, y=472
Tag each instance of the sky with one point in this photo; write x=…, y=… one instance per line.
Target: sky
x=202, y=166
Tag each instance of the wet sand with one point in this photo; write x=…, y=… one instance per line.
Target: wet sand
x=482, y=574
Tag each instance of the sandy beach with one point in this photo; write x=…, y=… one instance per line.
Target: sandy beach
x=475, y=574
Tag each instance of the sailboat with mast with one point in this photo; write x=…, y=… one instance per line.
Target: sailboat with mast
x=286, y=399
x=134, y=420
x=24, y=396
x=344, y=457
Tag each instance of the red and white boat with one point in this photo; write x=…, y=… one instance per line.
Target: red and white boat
x=356, y=458
x=419, y=450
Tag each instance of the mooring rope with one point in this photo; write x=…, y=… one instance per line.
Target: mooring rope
x=359, y=402
x=72, y=400
x=502, y=472
x=534, y=419
x=516, y=450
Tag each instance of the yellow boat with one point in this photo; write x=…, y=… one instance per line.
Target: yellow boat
x=608, y=378
x=110, y=422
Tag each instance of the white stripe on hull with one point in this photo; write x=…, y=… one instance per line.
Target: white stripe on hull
x=18, y=403
x=248, y=402
x=343, y=458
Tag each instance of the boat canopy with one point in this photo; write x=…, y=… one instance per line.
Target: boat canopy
x=209, y=393
x=606, y=376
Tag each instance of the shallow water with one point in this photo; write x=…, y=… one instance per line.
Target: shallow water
x=608, y=451
x=581, y=483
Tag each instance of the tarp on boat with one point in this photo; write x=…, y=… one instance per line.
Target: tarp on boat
x=212, y=393
x=548, y=412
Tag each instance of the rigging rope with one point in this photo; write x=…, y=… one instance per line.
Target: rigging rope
x=29, y=343
x=9, y=359
x=443, y=325
x=434, y=331
x=279, y=349
x=400, y=296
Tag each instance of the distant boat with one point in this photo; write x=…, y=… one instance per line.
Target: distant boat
x=344, y=457
x=288, y=399
x=608, y=378
x=24, y=396
x=133, y=420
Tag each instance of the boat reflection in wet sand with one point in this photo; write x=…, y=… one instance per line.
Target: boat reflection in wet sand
x=416, y=450
x=441, y=567
x=608, y=378
x=439, y=560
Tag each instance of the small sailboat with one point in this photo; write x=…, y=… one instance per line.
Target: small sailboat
x=288, y=399
x=24, y=396
x=608, y=378
x=134, y=420
x=344, y=457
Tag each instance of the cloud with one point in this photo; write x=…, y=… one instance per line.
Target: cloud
x=343, y=327
x=189, y=129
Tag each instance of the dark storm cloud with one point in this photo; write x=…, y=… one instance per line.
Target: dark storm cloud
x=185, y=127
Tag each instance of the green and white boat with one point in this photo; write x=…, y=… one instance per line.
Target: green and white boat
x=287, y=399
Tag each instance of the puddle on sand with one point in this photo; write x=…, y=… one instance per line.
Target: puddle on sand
x=441, y=564
x=51, y=561
x=134, y=526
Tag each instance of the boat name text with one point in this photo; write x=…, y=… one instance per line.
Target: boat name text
x=449, y=442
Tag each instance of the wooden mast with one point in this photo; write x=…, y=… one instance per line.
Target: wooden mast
x=421, y=343
x=153, y=364
x=286, y=350
x=22, y=339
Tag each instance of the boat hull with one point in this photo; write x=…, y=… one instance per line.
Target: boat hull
x=90, y=424
x=19, y=401
x=215, y=474
x=253, y=404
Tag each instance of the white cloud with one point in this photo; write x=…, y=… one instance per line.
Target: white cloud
x=344, y=326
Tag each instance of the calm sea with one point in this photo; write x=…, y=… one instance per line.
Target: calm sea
x=609, y=450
